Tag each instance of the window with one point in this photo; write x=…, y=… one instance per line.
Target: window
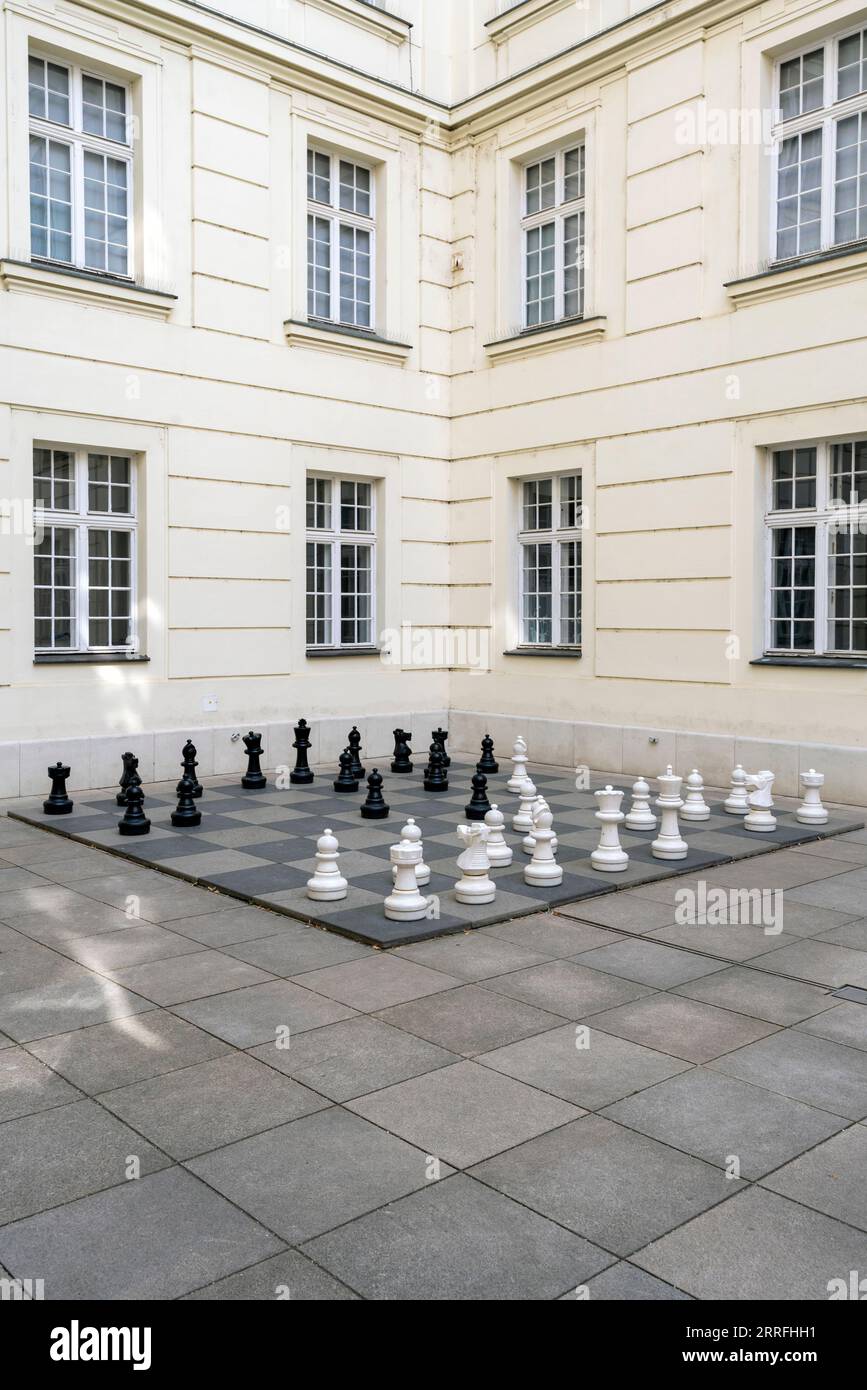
x=817, y=550
x=84, y=563
x=820, y=196
x=549, y=542
x=340, y=240
x=341, y=562
x=80, y=168
x=554, y=235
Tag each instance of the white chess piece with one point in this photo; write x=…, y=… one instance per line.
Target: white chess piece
x=528, y=843
x=475, y=885
x=669, y=844
x=412, y=833
x=522, y=821
x=543, y=871
x=405, y=903
x=610, y=857
x=760, y=815
x=499, y=852
x=520, y=776
x=695, y=807
x=737, y=803
x=811, y=811
x=640, y=816
x=327, y=884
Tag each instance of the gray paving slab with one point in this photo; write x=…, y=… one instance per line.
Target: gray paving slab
x=108, y=1055
x=156, y=1238
x=233, y=925
x=189, y=977
x=736, y=943
x=682, y=1027
x=307, y=1177
x=376, y=981
x=55, y=924
x=830, y=1178
x=624, y=1283
x=852, y=934
x=758, y=1246
x=552, y=934
x=247, y=1017
x=623, y=911
x=31, y=964
x=65, y=1005
x=579, y=1174
x=648, y=963
x=470, y=956
x=785, y=869
x=746, y=990
x=814, y=1070
x=567, y=988
x=457, y=1240
x=719, y=1118
x=346, y=1060
x=136, y=945
x=298, y=950
x=470, y=1019
x=27, y=1086
x=844, y=1023
x=845, y=892
x=820, y=962
x=287, y=1277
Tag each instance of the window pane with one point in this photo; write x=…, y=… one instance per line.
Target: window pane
x=53, y=479
x=48, y=91
x=319, y=267
x=573, y=265
x=794, y=479
x=574, y=165
x=103, y=108
x=105, y=213
x=319, y=624
x=852, y=66
x=355, y=273
x=355, y=188
x=802, y=84
x=54, y=589
x=570, y=502
x=850, y=179
x=539, y=288
x=50, y=199
x=799, y=195
x=793, y=588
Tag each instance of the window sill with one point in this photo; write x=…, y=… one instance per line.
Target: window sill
x=375, y=21
x=567, y=333
x=84, y=287
x=837, y=267
x=318, y=653
x=825, y=663
x=522, y=16
x=334, y=337
x=569, y=653
x=86, y=658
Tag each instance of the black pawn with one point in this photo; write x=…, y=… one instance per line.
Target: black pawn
x=187, y=812
x=134, y=822
x=254, y=779
x=301, y=776
x=345, y=782
x=436, y=777
x=487, y=763
x=402, y=751
x=189, y=765
x=479, y=805
x=58, y=803
x=130, y=772
x=439, y=737
x=375, y=808
x=354, y=741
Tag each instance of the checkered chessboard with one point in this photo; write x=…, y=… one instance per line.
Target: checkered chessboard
x=259, y=846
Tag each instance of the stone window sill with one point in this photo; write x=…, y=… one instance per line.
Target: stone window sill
x=548, y=338
x=84, y=287
x=837, y=267
x=824, y=663
x=571, y=653
x=374, y=20
x=521, y=16
x=86, y=658
x=317, y=653
x=335, y=337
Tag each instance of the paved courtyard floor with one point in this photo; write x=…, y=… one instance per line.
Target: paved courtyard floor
x=211, y=1100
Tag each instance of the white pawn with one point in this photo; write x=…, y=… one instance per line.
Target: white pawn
x=610, y=857
x=640, y=816
x=669, y=844
x=475, y=885
x=543, y=871
x=737, y=803
x=412, y=833
x=522, y=821
x=405, y=903
x=499, y=852
x=760, y=815
x=528, y=843
x=811, y=811
x=327, y=884
x=695, y=807
x=520, y=776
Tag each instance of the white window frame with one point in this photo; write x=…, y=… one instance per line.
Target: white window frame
x=824, y=517
x=557, y=214
x=335, y=537
x=824, y=118
x=81, y=520
x=337, y=217
x=557, y=536
x=80, y=141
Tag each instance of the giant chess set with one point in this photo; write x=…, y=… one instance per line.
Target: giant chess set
x=427, y=849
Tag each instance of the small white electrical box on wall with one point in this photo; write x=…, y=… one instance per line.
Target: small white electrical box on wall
x=210, y=703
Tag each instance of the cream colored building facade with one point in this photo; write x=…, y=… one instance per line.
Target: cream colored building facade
x=560, y=434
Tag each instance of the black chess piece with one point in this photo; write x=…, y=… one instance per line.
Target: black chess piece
x=479, y=805
x=345, y=782
x=254, y=778
x=402, y=751
x=436, y=777
x=487, y=763
x=375, y=807
x=187, y=812
x=58, y=803
x=134, y=822
x=189, y=765
x=439, y=737
x=130, y=771
x=354, y=741
x=301, y=775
